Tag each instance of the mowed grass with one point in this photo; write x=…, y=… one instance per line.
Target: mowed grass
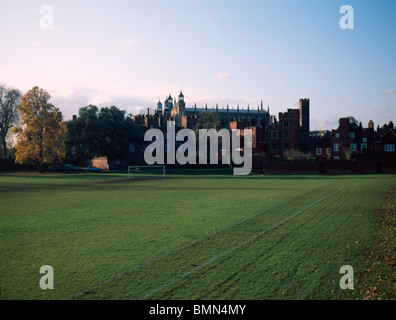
x=197, y=235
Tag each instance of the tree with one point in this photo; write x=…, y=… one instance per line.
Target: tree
x=292, y=154
x=41, y=133
x=117, y=132
x=82, y=139
x=207, y=120
x=9, y=101
x=105, y=132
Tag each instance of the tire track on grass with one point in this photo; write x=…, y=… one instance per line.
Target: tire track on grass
x=190, y=244
x=276, y=225
x=305, y=223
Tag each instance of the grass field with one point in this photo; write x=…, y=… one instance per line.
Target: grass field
x=191, y=236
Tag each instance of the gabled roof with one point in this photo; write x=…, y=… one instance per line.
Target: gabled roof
x=389, y=135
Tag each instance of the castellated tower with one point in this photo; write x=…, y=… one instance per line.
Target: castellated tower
x=181, y=105
x=304, y=117
x=178, y=110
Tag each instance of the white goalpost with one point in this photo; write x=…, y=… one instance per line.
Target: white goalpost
x=147, y=172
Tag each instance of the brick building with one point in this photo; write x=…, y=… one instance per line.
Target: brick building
x=288, y=133
x=385, y=139
x=271, y=136
x=351, y=139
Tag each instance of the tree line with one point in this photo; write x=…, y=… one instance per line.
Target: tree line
x=43, y=138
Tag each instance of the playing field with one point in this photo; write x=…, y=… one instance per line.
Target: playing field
x=191, y=236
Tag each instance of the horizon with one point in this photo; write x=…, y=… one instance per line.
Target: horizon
x=131, y=53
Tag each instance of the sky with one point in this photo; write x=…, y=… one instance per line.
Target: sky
x=133, y=53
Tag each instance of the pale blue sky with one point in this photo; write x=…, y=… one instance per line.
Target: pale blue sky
x=131, y=53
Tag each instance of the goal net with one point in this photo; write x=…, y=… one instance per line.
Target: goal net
x=144, y=172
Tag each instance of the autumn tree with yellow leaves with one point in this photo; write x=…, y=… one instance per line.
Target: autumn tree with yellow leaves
x=40, y=136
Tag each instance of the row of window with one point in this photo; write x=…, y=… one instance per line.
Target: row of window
x=389, y=148
x=363, y=146
x=319, y=151
x=352, y=135
x=287, y=124
x=275, y=135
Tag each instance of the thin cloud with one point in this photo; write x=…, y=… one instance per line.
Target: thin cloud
x=99, y=99
x=36, y=44
x=390, y=92
x=137, y=110
x=332, y=122
x=70, y=101
x=223, y=76
x=383, y=110
x=63, y=91
x=129, y=42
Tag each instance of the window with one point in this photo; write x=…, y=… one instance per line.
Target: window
x=364, y=139
x=336, y=147
x=328, y=151
x=363, y=146
x=286, y=146
x=318, y=151
x=274, y=135
x=389, y=148
x=353, y=147
x=286, y=134
x=286, y=124
x=337, y=135
x=352, y=135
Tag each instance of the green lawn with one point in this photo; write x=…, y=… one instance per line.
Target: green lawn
x=191, y=236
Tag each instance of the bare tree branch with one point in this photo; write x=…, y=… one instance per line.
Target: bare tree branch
x=9, y=115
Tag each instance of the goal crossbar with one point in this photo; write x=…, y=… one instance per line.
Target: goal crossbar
x=146, y=167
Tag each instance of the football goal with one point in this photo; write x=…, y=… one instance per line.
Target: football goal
x=144, y=172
